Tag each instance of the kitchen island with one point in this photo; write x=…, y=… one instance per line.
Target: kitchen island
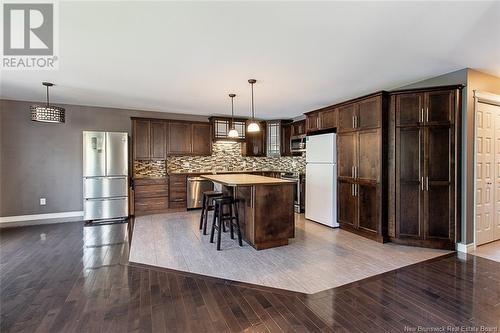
x=265, y=209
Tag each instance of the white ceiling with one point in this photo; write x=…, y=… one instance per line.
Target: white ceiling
x=186, y=57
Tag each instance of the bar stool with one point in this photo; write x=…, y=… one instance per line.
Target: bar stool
x=207, y=200
x=221, y=217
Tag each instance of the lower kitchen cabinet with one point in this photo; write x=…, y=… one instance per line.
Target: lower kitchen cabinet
x=178, y=191
x=151, y=195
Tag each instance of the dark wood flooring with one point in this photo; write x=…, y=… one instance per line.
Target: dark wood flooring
x=70, y=278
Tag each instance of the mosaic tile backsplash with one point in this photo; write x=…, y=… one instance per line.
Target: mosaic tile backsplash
x=226, y=156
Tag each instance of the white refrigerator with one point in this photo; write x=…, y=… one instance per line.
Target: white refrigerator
x=321, y=179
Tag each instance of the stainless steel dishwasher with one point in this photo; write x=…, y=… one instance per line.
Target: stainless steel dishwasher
x=195, y=188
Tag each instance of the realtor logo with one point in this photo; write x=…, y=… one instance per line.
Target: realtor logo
x=29, y=32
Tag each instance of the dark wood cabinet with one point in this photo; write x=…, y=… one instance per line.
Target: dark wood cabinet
x=202, y=139
x=178, y=190
x=361, y=161
x=425, y=166
x=141, y=133
x=328, y=119
x=323, y=119
x=151, y=196
x=255, y=143
x=312, y=122
x=155, y=139
x=298, y=128
x=180, y=138
x=347, y=118
x=286, y=133
x=222, y=125
x=158, y=140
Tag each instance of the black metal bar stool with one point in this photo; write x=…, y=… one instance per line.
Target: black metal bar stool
x=225, y=210
x=207, y=200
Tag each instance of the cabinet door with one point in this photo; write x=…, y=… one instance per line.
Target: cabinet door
x=409, y=109
x=409, y=182
x=438, y=182
x=202, y=139
x=286, y=131
x=369, y=113
x=346, y=203
x=368, y=198
x=328, y=119
x=347, y=148
x=312, y=122
x=370, y=159
x=298, y=128
x=439, y=107
x=346, y=117
x=158, y=140
x=141, y=137
x=180, y=138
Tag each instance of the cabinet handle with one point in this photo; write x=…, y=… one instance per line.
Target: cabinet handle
x=427, y=114
x=356, y=189
x=353, y=122
x=422, y=183
x=352, y=171
x=427, y=183
x=422, y=115
x=352, y=189
x=356, y=172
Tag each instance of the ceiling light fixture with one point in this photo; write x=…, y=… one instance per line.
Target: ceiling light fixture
x=253, y=126
x=233, y=133
x=47, y=113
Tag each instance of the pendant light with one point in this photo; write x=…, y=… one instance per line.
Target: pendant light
x=253, y=126
x=233, y=133
x=47, y=113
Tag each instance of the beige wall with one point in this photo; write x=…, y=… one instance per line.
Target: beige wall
x=486, y=83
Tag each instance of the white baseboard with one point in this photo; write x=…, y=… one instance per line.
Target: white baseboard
x=38, y=217
x=465, y=248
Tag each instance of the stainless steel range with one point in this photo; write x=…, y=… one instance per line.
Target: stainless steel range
x=294, y=176
x=105, y=175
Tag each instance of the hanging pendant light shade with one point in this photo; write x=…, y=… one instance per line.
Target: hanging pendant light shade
x=233, y=133
x=253, y=126
x=47, y=113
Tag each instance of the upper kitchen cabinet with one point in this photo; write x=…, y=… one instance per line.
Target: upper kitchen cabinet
x=202, y=143
x=312, y=122
x=369, y=113
x=323, y=119
x=347, y=118
x=158, y=140
x=286, y=134
x=141, y=133
x=221, y=127
x=298, y=128
x=149, y=139
x=423, y=210
x=180, y=138
x=255, y=143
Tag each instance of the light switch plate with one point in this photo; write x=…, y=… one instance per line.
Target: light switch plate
x=43, y=201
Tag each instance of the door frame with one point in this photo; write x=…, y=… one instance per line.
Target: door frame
x=479, y=97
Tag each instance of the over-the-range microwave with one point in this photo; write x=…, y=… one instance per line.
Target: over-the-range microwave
x=298, y=143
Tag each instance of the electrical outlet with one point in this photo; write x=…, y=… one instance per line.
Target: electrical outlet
x=43, y=201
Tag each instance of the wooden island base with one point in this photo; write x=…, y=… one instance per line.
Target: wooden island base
x=265, y=209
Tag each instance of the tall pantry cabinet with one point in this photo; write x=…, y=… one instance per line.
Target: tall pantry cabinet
x=425, y=141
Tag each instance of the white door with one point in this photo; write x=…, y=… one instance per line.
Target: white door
x=487, y=173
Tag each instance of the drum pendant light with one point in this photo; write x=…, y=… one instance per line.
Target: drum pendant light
x=253, y=126
x=233, y=133
x=47, y=113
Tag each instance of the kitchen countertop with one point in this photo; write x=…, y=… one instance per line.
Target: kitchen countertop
x=222, y=172
x=245, y=180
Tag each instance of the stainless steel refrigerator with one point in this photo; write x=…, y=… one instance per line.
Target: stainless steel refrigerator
x=105, y=175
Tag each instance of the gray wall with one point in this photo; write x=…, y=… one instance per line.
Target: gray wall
x=45, y=160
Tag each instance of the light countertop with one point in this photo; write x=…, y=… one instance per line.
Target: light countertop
x=245, y=180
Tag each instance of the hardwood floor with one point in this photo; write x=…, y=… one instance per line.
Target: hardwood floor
x=70, y=278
